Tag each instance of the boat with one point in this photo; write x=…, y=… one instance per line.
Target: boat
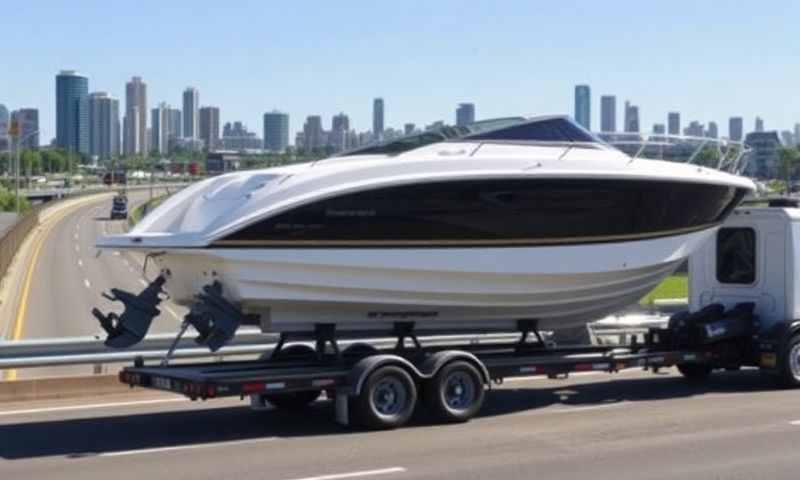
x=460, y=228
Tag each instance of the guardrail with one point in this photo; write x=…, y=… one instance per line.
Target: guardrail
x=91, y=351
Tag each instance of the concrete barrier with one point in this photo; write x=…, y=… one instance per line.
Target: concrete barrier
x=62, y=387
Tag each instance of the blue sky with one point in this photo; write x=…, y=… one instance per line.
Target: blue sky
x=707, y=59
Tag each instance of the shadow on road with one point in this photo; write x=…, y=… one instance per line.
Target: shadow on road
x=84, y=437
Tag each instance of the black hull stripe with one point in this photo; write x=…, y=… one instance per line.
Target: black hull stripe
x=376, y=244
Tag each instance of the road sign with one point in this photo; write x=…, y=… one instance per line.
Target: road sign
x=13, y=129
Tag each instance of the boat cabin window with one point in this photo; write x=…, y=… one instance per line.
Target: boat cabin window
x=736, y=256
x=515, y=211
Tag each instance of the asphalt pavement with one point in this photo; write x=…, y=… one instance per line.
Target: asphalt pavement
x=632, y=425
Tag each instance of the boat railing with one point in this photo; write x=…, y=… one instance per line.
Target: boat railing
x=719, y=153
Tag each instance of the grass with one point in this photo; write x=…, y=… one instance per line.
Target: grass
x=674, y=286
x=140, y=210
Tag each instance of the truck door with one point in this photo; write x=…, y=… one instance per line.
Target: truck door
x=746, y=264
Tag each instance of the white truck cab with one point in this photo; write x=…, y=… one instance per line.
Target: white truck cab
x=755, y=258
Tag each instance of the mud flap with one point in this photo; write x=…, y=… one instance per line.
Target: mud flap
x=140, y=309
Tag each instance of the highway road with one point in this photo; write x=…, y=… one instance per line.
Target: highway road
x=630, y=426
x=67, y=277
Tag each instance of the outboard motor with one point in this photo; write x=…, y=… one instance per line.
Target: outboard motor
x=214, y=318
x=131, y=327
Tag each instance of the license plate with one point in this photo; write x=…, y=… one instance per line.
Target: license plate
x=162, y=383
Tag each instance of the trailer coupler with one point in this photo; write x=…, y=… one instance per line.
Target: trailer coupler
x=140, y=309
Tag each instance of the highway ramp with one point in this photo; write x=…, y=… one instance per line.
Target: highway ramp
x=62, y=275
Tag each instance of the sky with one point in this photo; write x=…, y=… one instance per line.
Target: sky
x=708, y=60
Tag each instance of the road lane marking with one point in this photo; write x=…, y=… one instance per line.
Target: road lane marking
x=144, y=283
x=76, y=236
x=77, y=248
x=142, y=451
x=171, y=311
x=69, y=408
x=80, y=263
x=86, y=282
x=574, y=409
x=795, y=423
x=363, y=473
x=22, y=308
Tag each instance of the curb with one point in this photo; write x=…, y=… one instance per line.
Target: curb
x=61, y=387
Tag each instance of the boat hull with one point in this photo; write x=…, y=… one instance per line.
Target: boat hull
x=291, y=289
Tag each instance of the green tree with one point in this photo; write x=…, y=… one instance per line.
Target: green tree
x=790, y=161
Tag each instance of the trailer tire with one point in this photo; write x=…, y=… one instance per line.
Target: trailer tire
x=694, y=372
x=387, y=399
x=790, y=364
x=293, y=401
x=455, y=394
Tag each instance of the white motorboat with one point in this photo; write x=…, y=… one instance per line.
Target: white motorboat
x=453, y=229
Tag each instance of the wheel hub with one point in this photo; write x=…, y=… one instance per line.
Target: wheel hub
x=389, y=396
x=459, y=391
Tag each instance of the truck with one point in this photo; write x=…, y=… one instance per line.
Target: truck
x=744, y=312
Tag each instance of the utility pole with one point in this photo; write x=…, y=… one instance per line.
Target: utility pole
x=14, y=133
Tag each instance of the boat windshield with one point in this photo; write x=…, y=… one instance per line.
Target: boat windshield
x=511, y=129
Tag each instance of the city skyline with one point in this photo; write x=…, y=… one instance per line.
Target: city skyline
x=299, y=67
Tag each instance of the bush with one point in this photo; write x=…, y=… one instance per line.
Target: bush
x=8, y=203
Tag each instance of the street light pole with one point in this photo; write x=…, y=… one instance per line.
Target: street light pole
x=16, y=167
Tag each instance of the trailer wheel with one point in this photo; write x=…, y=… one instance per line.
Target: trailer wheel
x=694, y=372
x=456, y=393
x=790, y=368
x=387, y=399
x=293, y=400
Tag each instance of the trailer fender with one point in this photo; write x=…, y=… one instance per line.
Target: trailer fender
x=431, y=366
x=361, y=370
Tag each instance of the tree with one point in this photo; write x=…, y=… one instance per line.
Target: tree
x=790, y=161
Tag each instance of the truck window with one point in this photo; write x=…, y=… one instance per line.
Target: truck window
x=736, y=255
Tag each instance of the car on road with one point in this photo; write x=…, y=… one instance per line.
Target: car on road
x=119, y=207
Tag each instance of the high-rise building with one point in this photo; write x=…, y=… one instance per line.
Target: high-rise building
x=72, y=112
x=377, y=119
x=797, y=133
x=28, y=121
x=631, y=117
x=409, y=128
x=175, y=123
x=159, y=129
x=787, y=137
x=4, y=123
x=235, y=136
x=313, y=133
x=735, y=128
x=465, y=114
x=191, y=104
x=695, y=129
x=765, y=155
x=135, y=129
x=103, y=125
x=583, y=102
x=608, y=113
x=712, y=131
x=674, y=123
x=659, y=129
x=340, y=127
x=209, y=127
x=759, y=124
x=276, y=131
